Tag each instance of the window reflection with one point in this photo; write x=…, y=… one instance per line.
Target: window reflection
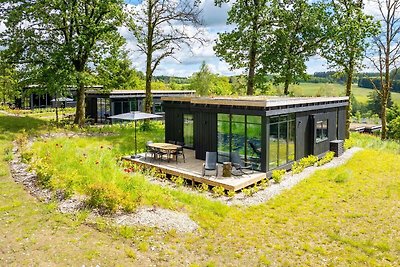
x=321, y=131
x=188, y=130
x=282, y=132
x=240, y=134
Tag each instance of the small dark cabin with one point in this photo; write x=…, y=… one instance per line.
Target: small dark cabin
x=269, y=132
x=102, y=104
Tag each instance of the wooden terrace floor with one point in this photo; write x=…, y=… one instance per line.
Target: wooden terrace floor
x=191, y=170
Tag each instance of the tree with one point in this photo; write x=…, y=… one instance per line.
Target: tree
x=161, y=27
x=52, y=78
x=206, y=83
x=241, y=48
x=348, y=31
x=8, y=83
x=77, y=33
x=374, y=103
x=299, y=33
x=201, y=81
x=385, y=53
x=116, y=72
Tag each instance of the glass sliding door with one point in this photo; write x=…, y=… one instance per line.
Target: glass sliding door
x=281, y=140
x=188, y=130
x=224, y=137
x=273, y=142
x=238, y=135
x=283, y=134
x=253, y=149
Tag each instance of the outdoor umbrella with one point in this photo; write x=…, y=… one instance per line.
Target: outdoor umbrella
x=135, y=116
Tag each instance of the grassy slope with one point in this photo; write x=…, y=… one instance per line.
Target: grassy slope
x=33, y=233
x=327, y=89
x=344, y=216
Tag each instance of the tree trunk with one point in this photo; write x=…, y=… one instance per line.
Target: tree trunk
x=80, y=107
x=383, y=114
x=149, y=99
x=286, y=86
x=149, y=57
x=348, y=93
x=252, y=69
x=56, y=101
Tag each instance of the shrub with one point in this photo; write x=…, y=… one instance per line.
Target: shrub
x=327, y=158
x=348, y=143
x=277, y=175
x=342, y=177
x=202, y=187
x=105, y=196
x=178, y=180
x=231, y=193
x=264, y=183
x=249, y=191
x=303, y=163
x=43, y=172
x=218, y=191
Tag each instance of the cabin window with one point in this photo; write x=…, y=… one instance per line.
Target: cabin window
x=321, y=133
x=240, y=134
x=281, y=149
x=188, y=130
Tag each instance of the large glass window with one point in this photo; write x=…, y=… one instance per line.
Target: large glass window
x=253, y=149
x=321, y=131
x=240, y=134
x=188, y=130
x=281, y=149
x=224, y=137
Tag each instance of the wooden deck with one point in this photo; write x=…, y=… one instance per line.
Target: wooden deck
x=191, y=170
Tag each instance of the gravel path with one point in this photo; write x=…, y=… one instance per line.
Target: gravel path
x=289, y=180
x=160, y=218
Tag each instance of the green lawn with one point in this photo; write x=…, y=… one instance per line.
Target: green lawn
x=338, y=217
x=328, y=89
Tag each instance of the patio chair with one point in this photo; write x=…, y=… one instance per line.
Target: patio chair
x=211, y=163
x=255, y=149
x=179, y=152
x=150, y=150
x=182, y=144
x=243, y=167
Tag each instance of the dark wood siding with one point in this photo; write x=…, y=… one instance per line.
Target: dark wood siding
x=304, y=135
x=330, y=115
x=205, y=133
x=173, y=125
x=341, y=123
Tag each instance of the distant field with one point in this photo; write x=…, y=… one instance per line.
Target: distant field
x=328, y=89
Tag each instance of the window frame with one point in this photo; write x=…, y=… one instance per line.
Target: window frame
x=319, y=135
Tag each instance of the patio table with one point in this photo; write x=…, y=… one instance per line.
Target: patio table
x=166, y=147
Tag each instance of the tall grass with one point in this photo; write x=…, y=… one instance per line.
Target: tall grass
x=92, y=166
x=374, y=142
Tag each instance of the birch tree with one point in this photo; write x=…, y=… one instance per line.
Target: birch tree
x=385, y=53
x=349, y=30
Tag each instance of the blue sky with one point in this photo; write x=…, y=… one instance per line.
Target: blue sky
x=214, y=19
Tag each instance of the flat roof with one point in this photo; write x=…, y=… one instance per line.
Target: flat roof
x=140, y=93
x=256, y=101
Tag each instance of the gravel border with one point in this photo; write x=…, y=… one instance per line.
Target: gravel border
x=289, y=180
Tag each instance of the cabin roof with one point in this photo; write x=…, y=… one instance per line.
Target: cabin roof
x=256, y=101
